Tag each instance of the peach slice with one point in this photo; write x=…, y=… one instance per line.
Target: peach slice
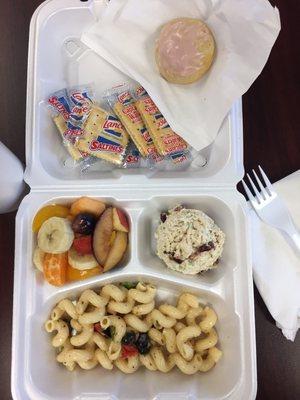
x=120, y=220
x=51, y=210
x=87, y=205
x=117, y=251
x=102, y=236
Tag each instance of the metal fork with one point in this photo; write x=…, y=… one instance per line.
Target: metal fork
x=270, y=208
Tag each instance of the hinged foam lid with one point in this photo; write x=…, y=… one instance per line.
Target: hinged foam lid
x=57, y=59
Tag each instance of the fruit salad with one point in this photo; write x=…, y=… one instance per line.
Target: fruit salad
x=78, y=241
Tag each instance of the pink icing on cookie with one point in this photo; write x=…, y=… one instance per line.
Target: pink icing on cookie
x=178, y=46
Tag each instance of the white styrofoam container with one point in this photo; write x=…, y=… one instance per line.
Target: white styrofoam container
x=57, y=59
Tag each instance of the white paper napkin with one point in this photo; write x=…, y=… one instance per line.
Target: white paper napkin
x=276, y=265
x=245, y=31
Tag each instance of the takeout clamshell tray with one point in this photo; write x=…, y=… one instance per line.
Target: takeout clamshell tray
x=228, y=289
x=57, y=59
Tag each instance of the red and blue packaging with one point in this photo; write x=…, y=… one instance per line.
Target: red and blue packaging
x=69, y=109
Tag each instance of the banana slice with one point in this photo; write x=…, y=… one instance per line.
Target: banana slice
x=80, y=261
x=55, y=235
x=38, y=259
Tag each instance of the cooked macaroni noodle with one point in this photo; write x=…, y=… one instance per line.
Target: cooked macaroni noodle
x=211, y=359
x=183, y=336
x=143, y=293
x=156, y=336
x=114, y=350
x=187, y=300
x=128, y=366
x=117, y=322
x=75, y=325
x=160, y=320
x=209, y=319
x=192, y=315
x=61, y=356
x=114, y=292
x=89, y=297
x=136, y=323
x=83, y=337
x=78, y=355
x=148, y=362
x=100, y=341
x=178, y=326
x=64, y=306
x=207, y=342
x=62, y=331
x=187, y=367
x=162, y=364
x=172, y=311
x=89, y=364
x=143, y=309
x=120, y=307
x=169, y=339
x=103, y=359
x=92, y=317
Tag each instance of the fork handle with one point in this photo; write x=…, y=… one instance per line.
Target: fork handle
x=296, y=240
x=293, y=234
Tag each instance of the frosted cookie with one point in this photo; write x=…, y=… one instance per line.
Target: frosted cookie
x=104, y=136
x=184, y=50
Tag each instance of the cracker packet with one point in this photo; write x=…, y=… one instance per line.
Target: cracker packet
x=165, y=139
x=104, y=136
x=133, y=158
x=69, y=108
x=121, y=101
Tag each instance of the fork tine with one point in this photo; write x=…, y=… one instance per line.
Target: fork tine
x=266, y=179
x=248, y=192
x=258, y=196
x=263, y=192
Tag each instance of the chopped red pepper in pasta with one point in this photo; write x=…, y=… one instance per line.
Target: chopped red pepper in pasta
x=128, y=350
x=97, y=327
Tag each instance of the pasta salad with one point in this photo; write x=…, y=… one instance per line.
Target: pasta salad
x=122, y=326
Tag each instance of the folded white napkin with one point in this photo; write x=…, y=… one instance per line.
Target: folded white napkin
x=276, y=265
x=244, y=30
